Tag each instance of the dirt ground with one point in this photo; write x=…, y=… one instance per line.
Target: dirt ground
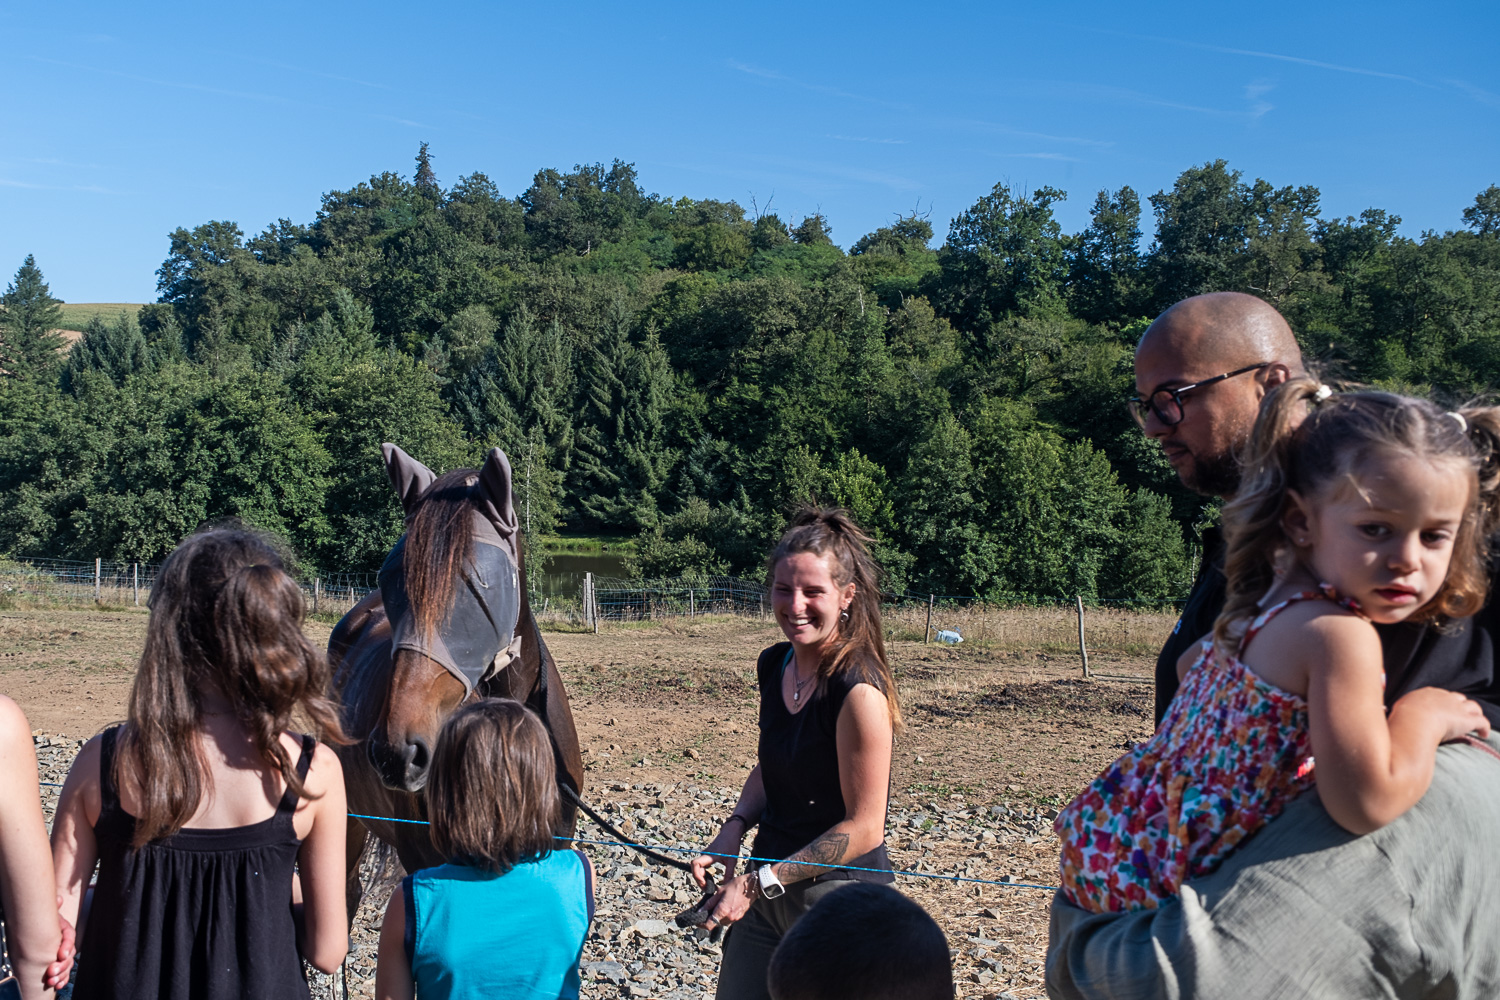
x=675, y=701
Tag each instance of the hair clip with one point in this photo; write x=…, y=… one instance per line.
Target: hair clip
x=1323, y=393
x=1463, y=425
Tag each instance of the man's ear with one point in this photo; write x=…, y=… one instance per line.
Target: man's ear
x=1296, y=519
x=1273, y=375
x=410, y=477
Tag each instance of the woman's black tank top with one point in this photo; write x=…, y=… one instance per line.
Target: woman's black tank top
x=799, y=766
x=199, y=915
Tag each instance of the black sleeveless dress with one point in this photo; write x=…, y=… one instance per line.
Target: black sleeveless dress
x=799, y=767
x=199, y=915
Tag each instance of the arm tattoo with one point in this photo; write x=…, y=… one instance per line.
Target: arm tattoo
x=823, y=854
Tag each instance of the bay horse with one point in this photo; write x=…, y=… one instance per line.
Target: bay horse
x=450, y=621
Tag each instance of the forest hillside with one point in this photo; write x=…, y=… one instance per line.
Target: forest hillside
x=684, y=370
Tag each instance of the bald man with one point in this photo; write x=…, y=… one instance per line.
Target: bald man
x=1201, y=371
x=1303, y=908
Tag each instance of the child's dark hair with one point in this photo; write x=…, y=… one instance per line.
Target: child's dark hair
x=862, y=942
x=225, y=617
x=1305, y=439
x=492, y=792
x=860, y=646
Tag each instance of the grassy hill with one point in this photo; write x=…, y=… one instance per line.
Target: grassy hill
x=76, y=314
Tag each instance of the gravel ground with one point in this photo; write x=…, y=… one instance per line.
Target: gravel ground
x=634, y=949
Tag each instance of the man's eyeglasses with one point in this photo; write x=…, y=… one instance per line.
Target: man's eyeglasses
x=1167, y=403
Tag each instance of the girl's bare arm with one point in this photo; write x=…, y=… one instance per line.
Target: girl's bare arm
x=27, y=886
x=1371, y=768
x=324, y=937
x=393, y=979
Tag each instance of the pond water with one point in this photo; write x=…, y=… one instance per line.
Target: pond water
x=562, y=573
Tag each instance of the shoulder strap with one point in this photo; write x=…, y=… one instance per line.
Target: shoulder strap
x=109, y=793
x=1307, y=595
x=289, y=797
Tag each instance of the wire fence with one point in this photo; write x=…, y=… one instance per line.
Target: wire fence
x=1130, y=627
x=127, y=584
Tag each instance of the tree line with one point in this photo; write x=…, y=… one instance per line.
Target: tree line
x=684, y=371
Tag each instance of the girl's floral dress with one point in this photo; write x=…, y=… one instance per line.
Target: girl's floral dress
x=1230, y=754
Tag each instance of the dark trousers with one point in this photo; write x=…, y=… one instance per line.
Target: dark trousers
x=749, y=943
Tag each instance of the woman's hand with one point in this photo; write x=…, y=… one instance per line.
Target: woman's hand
x=724, y=850
x=732, y=901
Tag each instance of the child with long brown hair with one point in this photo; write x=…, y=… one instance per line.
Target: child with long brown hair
x=1354, y=510
x=198, y=807
x=828, y=715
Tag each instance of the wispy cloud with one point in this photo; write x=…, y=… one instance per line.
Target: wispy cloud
x=817, y=88
x=25, y=185
x=1254, y=93
x=1477, y=93
x=248, y=95
x=61, y=163
x=993, y=127
x=1259, y=54
x=331, y=76
x=1297, y=60
x=399, y=121
x=1039, y=156
x=863, y=138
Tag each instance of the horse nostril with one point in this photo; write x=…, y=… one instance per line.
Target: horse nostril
x=417, y=754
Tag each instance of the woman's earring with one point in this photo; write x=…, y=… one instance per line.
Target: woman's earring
x=844, y=615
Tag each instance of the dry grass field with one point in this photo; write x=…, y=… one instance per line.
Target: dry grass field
x=1005, y=719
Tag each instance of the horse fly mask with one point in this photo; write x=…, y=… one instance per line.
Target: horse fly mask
x=478, y=638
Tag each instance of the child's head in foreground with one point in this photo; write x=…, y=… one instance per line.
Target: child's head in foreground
x=863, y=942
x=1389, y=499
x=492, y=793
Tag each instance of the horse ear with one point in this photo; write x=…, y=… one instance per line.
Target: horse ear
x=494, y=488
x=410, y=477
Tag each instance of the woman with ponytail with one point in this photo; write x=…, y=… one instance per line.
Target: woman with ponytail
x=199, y=806
x=1354, y=510
x=828, y=715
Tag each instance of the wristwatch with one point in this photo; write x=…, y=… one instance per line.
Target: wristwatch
x=770, y=885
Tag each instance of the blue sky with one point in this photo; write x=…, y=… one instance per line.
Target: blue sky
x=121, y=122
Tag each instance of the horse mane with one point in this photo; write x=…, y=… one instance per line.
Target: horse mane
x=438, y=541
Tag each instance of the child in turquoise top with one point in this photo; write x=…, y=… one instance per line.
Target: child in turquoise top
x=507, y=916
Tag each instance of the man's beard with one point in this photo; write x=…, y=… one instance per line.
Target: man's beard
x=1214, y=475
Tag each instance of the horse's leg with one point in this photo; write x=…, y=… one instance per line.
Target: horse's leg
x=354, y=850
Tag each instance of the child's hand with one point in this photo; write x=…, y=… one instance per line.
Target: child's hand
x=1455, y=714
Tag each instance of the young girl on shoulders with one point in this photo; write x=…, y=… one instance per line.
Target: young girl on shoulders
x=1370, y=508
x=197, y=808
x=508, y=914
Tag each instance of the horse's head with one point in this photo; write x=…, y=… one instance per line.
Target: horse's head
x=452, y=592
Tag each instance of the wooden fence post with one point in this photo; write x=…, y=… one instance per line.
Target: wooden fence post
x=135, y=583
x=317, y=592
x=692, y=611
x=927, y=635
x=96, y=579
x=1083, y=651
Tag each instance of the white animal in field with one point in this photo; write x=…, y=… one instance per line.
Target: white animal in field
x=949, y=636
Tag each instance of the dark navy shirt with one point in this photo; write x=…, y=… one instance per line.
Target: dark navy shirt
x=1457, y=655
